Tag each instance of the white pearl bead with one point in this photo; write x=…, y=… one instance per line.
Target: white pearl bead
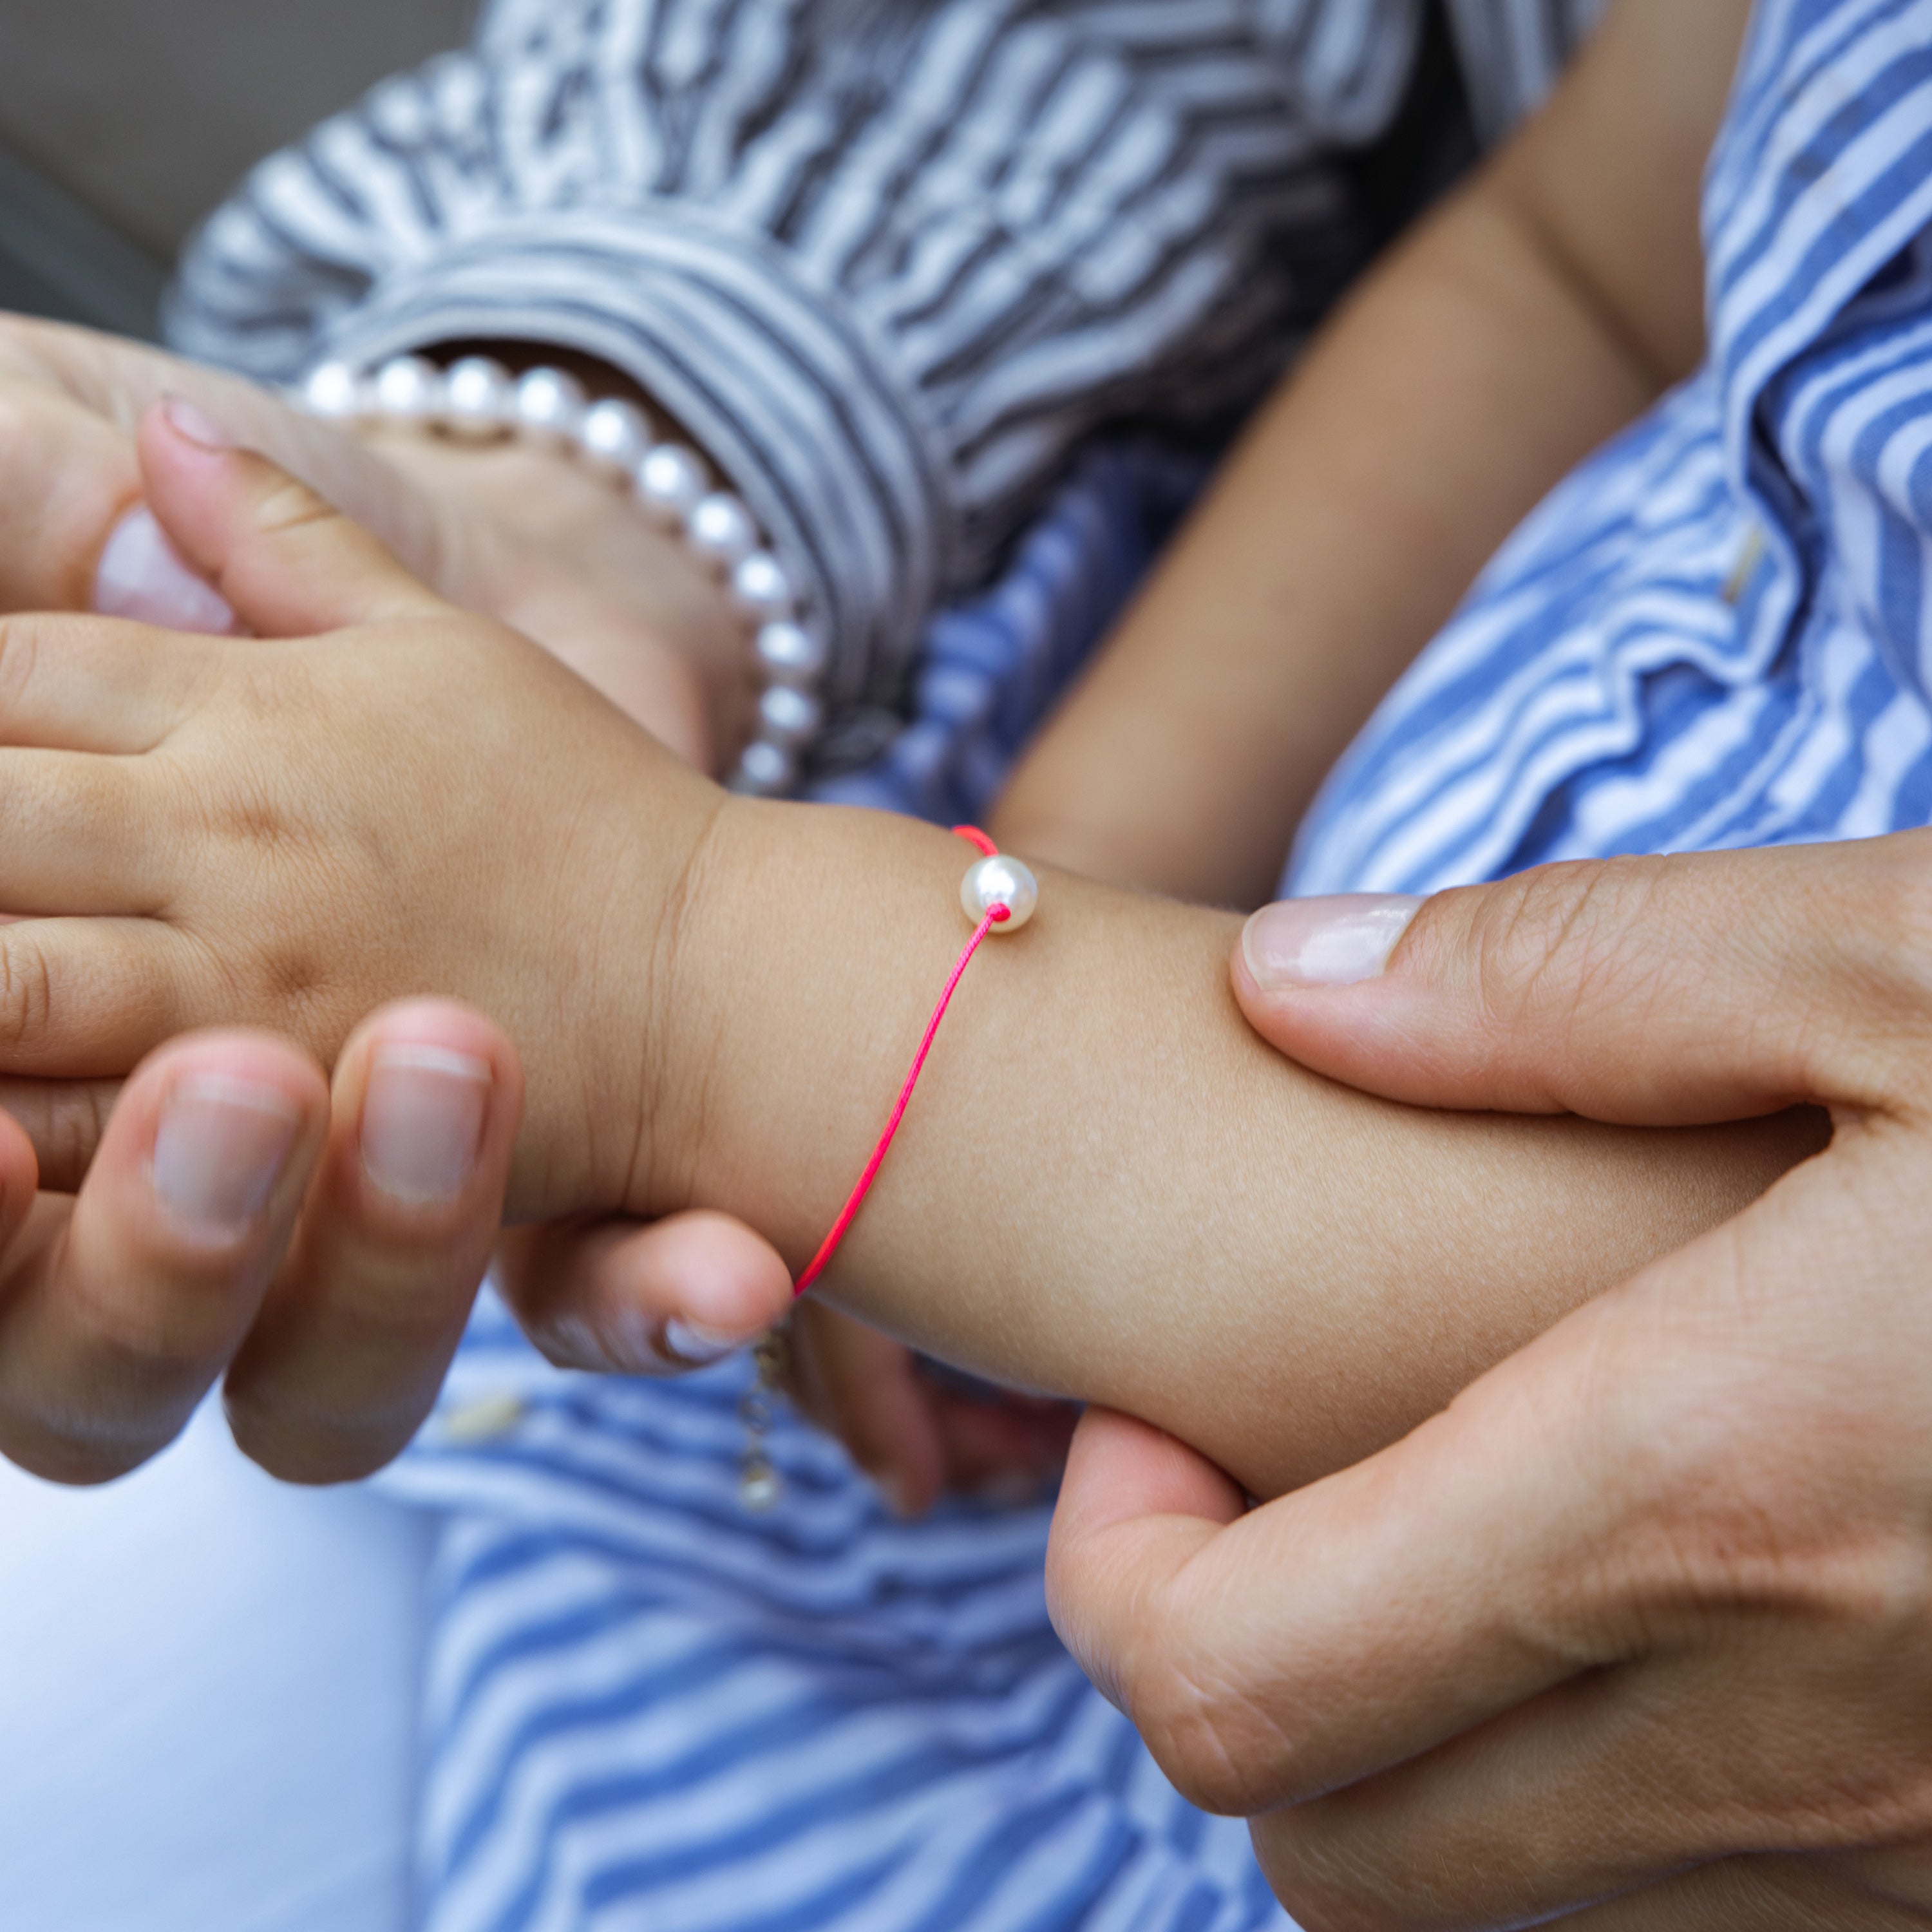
x=789, y=654
x=408, y=389
x=1000, y=881
x=549, y=405
x=720, y=530
x=788, y=716
x=613, y=436
x=761, y=588
x=476, y=394
x=670, y=481
x=764, y=768
x=333, y=390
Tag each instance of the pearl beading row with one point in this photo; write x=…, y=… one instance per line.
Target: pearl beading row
x=477, y=399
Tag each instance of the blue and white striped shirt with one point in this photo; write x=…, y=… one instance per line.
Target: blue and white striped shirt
x=1717, y=632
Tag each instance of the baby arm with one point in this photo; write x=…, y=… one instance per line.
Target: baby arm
x=1541, y=310
x=1106, y=1187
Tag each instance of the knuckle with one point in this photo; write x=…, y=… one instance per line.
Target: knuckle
x=21, y=637
x=1875, y=1017
x=1219, y=1748
x=1545, y=941
x=1739, y=1502
x=287, y=507
x=27, y=1000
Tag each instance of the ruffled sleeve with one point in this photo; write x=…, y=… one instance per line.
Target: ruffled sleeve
x=885, y=260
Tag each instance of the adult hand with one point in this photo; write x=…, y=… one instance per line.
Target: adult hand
x=1636, y=1635
x=315, y=1248
x=506, y=530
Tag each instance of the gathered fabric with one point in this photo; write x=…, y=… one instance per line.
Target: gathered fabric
x=888, y=261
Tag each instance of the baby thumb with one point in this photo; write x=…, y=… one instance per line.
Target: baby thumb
x=288, y=564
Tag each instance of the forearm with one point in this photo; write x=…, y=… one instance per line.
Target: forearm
x=1105, y=1186
x=1541, y=310
x=1443, y=400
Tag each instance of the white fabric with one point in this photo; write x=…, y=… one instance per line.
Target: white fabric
x=208, y=1696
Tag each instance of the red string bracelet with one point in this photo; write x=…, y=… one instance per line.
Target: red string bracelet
x=1000, y=894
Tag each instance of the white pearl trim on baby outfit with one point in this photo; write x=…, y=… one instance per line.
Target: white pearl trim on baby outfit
x=478, y=400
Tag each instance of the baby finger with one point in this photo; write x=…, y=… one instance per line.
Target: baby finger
x=85, y=998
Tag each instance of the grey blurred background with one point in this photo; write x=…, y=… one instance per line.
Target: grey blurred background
x=123, y=121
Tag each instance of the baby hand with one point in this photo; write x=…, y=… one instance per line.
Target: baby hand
x=319, y=1257
x=290, y=833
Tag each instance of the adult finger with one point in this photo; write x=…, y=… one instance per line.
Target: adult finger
x=350, y=1347
x=116, y=1317
x=77, y=841
x=1704, y=987
x=643, y=1298
x=1604, y=1787
x=1756, y=1894
x=1136, y=1507
x=289, y=563
x=1781, y=1893
x=1435, y=1571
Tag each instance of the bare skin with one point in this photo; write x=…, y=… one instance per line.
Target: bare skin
x=1109, y=1187
x=1675, y=1671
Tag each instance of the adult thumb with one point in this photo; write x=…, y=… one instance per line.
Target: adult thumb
x=1703, y=987
x=288, y=563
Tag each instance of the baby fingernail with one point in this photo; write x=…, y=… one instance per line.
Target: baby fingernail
x=422, y=1122
x=191, y=421
x=692, y=1343
x=141, y=575
x=1336, y=941
x=220, y=1147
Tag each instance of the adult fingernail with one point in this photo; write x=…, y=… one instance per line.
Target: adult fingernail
x=141, y=575
x=694, y=1345
x=220, y=1147
x=1336, y=941
x=422, y=1122
x=191, y=421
